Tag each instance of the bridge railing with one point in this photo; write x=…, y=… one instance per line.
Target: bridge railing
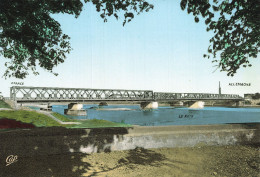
x=194, y=96
x=20, y=93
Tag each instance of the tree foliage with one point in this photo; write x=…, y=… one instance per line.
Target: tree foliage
x=256, y=96
x=236, y=27
x=29, y=36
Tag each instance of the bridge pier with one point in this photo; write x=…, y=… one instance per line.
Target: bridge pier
x=234, y=103
x=149, y=105
x=213, y=103
x=188, y=103
x=239, y=103
x=198, y=105
x=103, y=104
x=49, y=108
x=75, y=109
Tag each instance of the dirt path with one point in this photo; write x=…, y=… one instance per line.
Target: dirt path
x=229, y=161
x=199, y=161
x=54, y=118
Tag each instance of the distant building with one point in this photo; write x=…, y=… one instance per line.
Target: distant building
x=219, y=88
x=248, y=95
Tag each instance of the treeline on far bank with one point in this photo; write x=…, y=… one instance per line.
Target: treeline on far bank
x=252, y=99
x=256, y=96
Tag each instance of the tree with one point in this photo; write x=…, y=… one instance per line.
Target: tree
x=29, y=36
x=256, y=96
x=236, y=28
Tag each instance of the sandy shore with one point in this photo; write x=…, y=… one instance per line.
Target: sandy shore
x=166, y=162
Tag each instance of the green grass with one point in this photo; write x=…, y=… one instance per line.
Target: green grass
x=4, y=104
x=37, y=119
x=90, y=123
x=63, y=118
x=95, y=123
x=41, y=120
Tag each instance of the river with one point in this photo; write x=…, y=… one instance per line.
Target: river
x=132, y=114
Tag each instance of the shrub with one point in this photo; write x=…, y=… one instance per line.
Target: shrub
x=248, y=102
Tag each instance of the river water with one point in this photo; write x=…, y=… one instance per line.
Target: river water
x=132, y=114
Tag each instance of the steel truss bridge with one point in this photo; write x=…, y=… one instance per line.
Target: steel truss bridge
x=22, y=94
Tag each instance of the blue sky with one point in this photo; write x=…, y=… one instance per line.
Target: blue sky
x=161, y=50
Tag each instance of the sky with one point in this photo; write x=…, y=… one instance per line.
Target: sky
x=161, y=50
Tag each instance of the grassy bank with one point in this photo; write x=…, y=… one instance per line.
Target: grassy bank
x=62, y=117
x=37, y=119
x=41, y=120
x=4, y=104
x=94, y=123
x=90, y=123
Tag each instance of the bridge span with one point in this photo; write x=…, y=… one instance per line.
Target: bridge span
x=147, y=98
x=22, y=94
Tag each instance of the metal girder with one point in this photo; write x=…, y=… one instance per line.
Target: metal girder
x=34, y=94
x=195, y=96
x=56, y=94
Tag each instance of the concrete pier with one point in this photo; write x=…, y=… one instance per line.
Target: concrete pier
x=198, y=105
x=75, y=109
x=49, y=108
x=103, y=104
x=149, y=105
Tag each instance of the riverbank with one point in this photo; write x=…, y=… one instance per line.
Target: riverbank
x=204, y=161
x=196, y=161
x=4, y=105
x=38, y=118
x=50, y=119
x=216, y=150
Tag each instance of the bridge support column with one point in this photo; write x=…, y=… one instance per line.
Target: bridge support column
x=75, y=109
x=149, y=105
x=198, y=105
x=103, y=104
x=239, y=103
x=49, y=108
x=234, y=103
x=188, y=103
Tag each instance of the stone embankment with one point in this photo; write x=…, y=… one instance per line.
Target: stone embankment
x=60, y=140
